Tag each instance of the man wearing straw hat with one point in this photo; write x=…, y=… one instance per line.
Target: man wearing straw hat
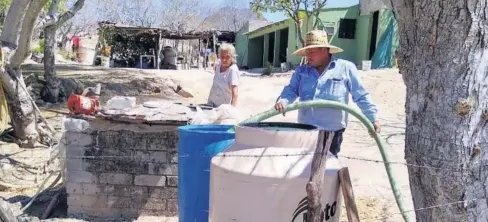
x=327, y=78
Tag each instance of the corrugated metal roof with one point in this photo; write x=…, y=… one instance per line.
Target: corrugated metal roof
x=256, y=24
x=264, y=26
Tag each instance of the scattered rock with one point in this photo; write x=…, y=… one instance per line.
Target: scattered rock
x=5, y=164
x=30, y=79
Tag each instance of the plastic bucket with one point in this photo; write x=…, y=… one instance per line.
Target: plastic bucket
x=366, y=65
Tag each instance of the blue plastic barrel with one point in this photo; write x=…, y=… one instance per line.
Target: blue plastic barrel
x=197, y=144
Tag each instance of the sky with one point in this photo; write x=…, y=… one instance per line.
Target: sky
x=278, y=16
x=273, y=17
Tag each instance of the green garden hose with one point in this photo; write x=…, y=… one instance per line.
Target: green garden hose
x=366, y=122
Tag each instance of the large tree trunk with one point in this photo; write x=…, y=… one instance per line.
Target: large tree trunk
x=50, y=92
x=443, y=59
x=13, y=23
x=22, y=111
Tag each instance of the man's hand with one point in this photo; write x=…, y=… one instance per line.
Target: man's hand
x=280, y=107
x=377, y=127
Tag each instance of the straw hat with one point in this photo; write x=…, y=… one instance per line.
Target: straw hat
x=317, y=39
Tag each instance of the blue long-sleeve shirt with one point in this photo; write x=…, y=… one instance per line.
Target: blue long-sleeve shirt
x=336, y=83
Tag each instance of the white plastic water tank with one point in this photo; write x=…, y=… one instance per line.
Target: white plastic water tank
x=262, y=176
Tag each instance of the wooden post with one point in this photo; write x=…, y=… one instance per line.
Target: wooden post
x=346, y=185
x=157, y=51
x=199, y=51
x=314, y=186
x=214, y=42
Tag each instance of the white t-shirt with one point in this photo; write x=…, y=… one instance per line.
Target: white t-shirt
x=221, y=92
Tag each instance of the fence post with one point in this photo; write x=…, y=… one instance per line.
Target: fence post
x=314, y=186
x=348, y=194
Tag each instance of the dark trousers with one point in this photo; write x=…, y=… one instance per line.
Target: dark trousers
x=335, y=147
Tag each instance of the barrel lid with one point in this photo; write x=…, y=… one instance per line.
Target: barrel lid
x=279, y=126
x=277, y=134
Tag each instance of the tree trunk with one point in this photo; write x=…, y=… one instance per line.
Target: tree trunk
x=50, y=92
x=299, y=33
x=13, y=23
x=21, y=108
x=444, y=60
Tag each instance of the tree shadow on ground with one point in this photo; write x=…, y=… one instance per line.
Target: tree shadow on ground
x=39, y=205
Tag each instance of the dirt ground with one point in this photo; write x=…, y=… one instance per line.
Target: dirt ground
x=256, y=94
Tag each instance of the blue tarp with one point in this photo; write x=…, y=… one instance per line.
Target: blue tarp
x=384, y=56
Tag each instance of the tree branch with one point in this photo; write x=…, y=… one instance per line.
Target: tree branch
x=10, y=31
x=70, y=13
x=25, y=36
x=51, y=18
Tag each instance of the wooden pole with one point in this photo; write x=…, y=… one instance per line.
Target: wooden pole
x=214, y=42
x=314, y=186
x=199, y=51
x=348, y=194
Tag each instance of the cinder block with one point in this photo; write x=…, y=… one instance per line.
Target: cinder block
x=150, y=180
x=138, y=191
x=108, y=189
x=172, y=206
x=157, y=214
x=163, y=169
x=75, y=151
x=172, y=181
x=116, y=166
x=151, y=156
x=92, y=189
x=116, y=178
x=74, y=188
x=173, y=157
x=81, y=177
x=75, y=164
x=170, y=169
x=155, y=204
x=162, y=140
x=77, y=139
x=125, y=202
x=83, y=212
x=125, y=191
x=87, y=201
x=163, y=192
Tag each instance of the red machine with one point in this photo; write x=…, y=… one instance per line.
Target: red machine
x=82, y=104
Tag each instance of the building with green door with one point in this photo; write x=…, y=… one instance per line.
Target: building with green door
x=363, y=37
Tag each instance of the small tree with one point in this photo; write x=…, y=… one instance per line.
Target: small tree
x=51, y=89
x=296, y=10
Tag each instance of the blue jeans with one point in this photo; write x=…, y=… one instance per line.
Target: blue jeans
x=335, y=146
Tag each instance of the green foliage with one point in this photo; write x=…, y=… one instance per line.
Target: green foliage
x=66, y=55
x=296, y=9
x=126, y=43
x=40, y=47
x=268, y=68
x=4, y=5
x=261, y=6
